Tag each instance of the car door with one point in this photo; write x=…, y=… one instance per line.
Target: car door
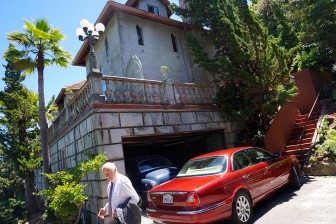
x=252, y=173
x=275, y=169
x=264, y=159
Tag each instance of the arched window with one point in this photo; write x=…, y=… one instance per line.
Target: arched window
x=106, y=47
x=139, y=33
x=173, y=38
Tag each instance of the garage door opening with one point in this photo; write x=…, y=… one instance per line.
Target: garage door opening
x=155, y=159
x=178, y=148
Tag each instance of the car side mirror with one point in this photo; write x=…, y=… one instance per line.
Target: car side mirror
x=276, y=155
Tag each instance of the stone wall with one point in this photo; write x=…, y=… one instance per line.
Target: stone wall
x=101, y=131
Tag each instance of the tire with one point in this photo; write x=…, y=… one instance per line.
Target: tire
x=242, y=210
x=295, y=181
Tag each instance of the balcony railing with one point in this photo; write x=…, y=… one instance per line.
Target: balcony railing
x=121, y=90
x=130, y=90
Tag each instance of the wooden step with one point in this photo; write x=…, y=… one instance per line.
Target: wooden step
x=297, y=146
x=303, y=123
x=305, y=135
x=305, y=116
x=297, y=141
x=296, y=152
x=301, y=155
x=298, y=131
x=308, y=126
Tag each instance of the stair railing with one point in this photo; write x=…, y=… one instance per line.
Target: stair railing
x=311, y=111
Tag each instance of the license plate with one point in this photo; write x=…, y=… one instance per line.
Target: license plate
x=167, y=199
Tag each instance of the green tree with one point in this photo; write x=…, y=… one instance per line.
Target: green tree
x=19, y=133
x=12, y=204
x=275, y=17
x=317, y=34
x=249, y=65
x=314, y=24
x=38, y=47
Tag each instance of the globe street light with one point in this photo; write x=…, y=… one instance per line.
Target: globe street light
x=88, y=31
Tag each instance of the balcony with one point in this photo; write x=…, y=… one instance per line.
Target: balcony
x=113, y=90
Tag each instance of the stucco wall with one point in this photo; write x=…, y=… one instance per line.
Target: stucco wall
x=157, y=50
x=112, y=63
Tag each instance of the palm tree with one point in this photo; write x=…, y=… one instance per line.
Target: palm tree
x=38, y=47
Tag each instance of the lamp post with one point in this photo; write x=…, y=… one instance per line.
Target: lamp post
x=88, y=31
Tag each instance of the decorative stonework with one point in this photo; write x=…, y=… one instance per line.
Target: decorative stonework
x=134, y=68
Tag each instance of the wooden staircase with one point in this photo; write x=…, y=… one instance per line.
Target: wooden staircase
x=301, y=136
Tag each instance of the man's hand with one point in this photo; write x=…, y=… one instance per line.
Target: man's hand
x=101, y=213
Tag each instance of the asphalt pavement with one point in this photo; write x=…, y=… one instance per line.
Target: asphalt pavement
x=314, y=203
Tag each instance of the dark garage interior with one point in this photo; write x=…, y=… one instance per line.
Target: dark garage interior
x=178, y=148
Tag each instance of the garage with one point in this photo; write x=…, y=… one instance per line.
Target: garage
x=153, y=159
x=178, y=148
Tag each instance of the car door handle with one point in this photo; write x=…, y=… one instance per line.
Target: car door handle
x=246, y=175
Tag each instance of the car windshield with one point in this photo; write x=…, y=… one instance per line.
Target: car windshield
x=203, y=166
x=149, y=164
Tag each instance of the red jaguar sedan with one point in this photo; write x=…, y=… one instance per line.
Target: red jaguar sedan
x=221, y=185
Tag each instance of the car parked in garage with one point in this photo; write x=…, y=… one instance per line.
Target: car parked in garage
x=146, y=172
x=221, y=185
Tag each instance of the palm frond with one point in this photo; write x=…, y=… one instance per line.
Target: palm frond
x=42, y=24
x=35, y=31
x=56, y=35
x=61, y=61
x=19, y=39
x=25, y=64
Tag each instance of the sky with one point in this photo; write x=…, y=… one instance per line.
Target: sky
x=64, y=15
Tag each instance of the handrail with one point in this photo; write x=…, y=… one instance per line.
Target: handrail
x=311, y=110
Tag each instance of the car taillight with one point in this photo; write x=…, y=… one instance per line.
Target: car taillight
x=149, y=199
x=192, y=200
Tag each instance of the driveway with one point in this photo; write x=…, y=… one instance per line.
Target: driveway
x=314, y=203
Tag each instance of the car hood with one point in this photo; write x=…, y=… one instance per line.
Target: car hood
x=163, y=175
x=185, y=183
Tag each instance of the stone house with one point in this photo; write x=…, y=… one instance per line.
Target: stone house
x=129, y=107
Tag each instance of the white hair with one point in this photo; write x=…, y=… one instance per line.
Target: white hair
x=109, y=166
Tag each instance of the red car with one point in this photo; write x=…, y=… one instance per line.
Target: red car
x=221, y=185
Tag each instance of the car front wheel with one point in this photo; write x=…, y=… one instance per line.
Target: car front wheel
x=295, y=177
x=242, y=210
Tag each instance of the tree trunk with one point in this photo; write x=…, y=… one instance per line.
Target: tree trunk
x=33, y=203
x=43, y=121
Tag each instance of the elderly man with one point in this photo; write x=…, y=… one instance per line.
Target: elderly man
x=122, y=198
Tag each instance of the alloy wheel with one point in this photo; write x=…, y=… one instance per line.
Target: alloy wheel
x=243, y=208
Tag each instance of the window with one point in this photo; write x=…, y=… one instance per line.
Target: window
x=106, y=48
x=203, y=166
x=241, y=160
x=153, y=9
x=139, y=33
x=257, y=155
x=173, y=38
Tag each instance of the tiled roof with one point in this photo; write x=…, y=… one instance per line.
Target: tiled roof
x=74, y=87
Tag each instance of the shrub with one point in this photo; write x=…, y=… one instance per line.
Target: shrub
x=66, y=196
x=328, y=148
